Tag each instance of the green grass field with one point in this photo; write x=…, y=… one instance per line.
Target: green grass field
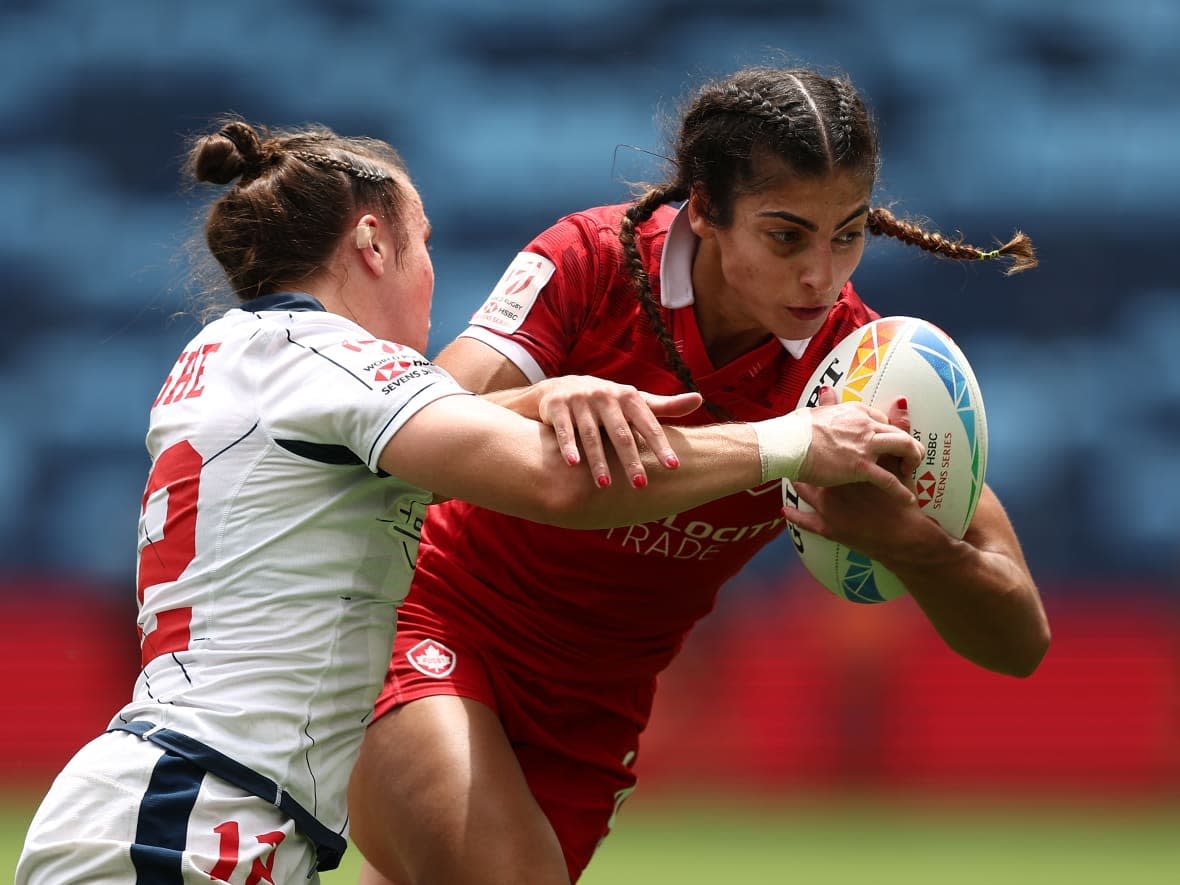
x=847, y=842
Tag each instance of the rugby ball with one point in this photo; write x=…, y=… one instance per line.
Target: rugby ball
x=887, y=358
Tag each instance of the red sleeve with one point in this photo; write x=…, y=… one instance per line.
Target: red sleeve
x=549, y=291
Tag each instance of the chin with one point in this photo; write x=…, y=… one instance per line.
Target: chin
x=797, y=329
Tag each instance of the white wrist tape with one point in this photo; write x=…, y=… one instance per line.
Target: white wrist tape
x=783, y=443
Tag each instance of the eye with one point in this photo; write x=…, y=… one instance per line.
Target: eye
x=787, y=236
x=849, y=237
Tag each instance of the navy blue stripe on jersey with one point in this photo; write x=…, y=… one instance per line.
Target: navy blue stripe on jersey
x=230, y=446
x=282, y=301
x=162, y=829
x=324, y=453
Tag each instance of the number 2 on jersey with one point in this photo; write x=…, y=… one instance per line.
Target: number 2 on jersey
x=168, y=542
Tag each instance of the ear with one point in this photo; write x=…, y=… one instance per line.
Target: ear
x=698, y=215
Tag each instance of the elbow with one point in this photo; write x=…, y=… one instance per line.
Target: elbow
x=1026, y=663
x=569, y=505
x=1004, y=649
x=1024, y=658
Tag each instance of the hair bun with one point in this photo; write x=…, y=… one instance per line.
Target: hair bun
x=234, y=151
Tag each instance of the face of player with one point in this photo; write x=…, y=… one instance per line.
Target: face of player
x=780, y=265
x=409, y=282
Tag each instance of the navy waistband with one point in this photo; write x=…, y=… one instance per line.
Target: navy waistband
x=330, y=845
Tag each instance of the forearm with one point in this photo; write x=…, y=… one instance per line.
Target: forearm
x=980, y=598
x=464, y=447
x=715, y=461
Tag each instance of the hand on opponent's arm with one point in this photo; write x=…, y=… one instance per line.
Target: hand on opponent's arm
x=595, y=412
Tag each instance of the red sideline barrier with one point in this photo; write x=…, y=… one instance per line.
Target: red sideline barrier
x=811, y=691
x=785, y=689
x=67, y=664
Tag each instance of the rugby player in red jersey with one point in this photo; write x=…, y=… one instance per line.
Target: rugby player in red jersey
x=526, y=659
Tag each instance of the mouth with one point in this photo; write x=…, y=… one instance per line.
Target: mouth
x=807, y=313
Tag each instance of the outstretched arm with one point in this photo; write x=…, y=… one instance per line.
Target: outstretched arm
x=465, y=447
x=842, y=443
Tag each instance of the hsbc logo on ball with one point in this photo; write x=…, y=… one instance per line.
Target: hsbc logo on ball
x=924, y=485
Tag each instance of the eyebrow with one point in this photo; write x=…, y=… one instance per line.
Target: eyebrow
x=811, y=225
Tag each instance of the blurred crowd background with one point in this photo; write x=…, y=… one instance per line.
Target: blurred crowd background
x=1059, y=118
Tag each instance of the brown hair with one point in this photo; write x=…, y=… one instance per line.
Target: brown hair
x=292, y=195
x=814, y=125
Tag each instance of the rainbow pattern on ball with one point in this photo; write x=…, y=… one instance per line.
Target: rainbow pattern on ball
x=867, y=357
x=859, y=582
x=946, y=366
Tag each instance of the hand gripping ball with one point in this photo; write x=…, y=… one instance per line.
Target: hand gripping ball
x=910, y=357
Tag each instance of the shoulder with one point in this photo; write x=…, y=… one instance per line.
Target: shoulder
x=324, y=347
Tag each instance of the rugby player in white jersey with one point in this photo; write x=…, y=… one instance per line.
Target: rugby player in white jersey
x=297, y=435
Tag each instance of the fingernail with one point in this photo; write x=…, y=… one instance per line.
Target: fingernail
x=903, y=403
x=672, y=461
x=639, y=481
x=603, y=480
x=571, y=458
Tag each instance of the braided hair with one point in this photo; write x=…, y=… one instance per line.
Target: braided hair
x=815, y=126
x=292, y=195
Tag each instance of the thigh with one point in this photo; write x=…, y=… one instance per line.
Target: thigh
x=438, y=795
x=123, y=810
x=580, y=775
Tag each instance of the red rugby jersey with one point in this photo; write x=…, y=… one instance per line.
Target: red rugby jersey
x=588, y=605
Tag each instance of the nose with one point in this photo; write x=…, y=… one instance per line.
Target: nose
x=818, y=273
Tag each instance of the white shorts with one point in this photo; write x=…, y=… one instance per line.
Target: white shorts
x=125, y=811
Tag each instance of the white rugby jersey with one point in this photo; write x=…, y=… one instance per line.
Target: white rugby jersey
x=273, y=553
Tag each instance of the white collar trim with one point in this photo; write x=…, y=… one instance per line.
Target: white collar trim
x=680, y=247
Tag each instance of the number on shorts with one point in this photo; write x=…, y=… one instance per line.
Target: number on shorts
x=261, y=870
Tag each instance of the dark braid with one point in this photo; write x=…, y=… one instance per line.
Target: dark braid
x=354, y=166
x=1018, y=250
x=841, y=127
x=753, y=103
x=638, y=213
